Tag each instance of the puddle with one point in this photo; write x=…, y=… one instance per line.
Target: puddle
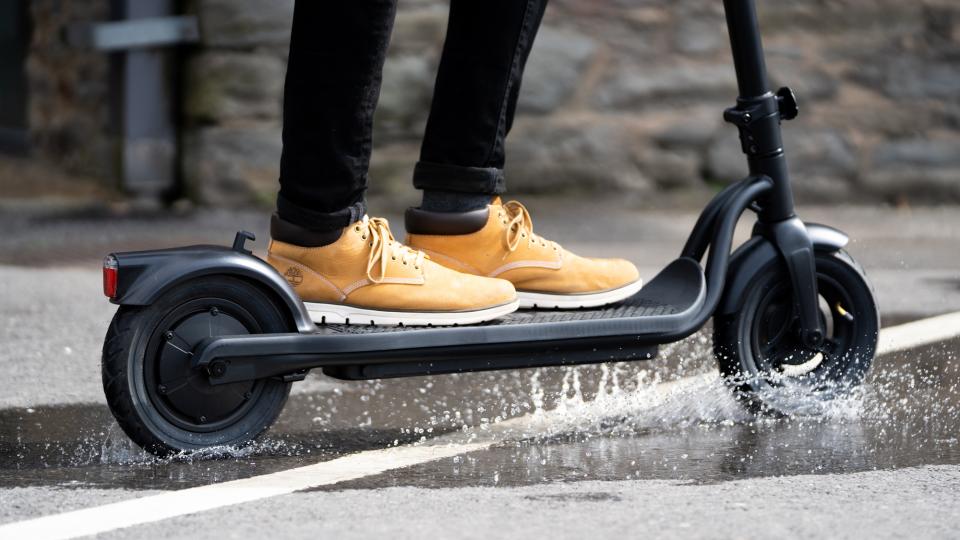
x=592, y=422
x=43, y=447
x=906, y=415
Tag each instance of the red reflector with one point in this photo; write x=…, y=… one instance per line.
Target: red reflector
x=110, y=276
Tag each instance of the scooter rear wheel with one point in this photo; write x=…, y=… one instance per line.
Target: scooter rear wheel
x=163, y=403
x=759, y=351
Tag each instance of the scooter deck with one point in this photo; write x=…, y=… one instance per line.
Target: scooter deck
x=549, y=353
x=661, y=305
x=624, y=331
x=635, y=306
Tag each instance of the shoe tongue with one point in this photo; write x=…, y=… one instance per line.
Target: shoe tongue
x=372, y=226
x=497, y=201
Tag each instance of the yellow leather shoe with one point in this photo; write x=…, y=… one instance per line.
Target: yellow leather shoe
x=498, y=241
x=367, y=277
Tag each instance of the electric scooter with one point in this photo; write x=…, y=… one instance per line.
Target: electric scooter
x=208, y=340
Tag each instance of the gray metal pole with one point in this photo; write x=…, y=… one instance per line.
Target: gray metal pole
x=149, y=137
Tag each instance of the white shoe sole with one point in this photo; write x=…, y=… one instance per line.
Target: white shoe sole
x=530, y=300
x=340, y=314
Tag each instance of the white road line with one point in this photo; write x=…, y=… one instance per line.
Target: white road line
x=189, y=501
x=919, y=333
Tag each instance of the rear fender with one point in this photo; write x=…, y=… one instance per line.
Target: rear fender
x=143, y=276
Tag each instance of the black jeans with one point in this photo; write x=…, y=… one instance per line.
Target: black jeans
x=337, y=50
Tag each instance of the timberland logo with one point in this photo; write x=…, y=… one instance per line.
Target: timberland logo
x=294, y=275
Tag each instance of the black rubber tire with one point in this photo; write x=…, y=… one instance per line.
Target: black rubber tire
x=134, y=329
x=852, y=338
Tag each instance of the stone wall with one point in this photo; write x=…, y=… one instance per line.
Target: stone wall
x=620, y=94
x=68, y=89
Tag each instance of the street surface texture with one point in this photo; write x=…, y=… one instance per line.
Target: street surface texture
x=651, y=448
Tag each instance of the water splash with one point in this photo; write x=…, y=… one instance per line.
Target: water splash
x=117, y=448
x=628, y=400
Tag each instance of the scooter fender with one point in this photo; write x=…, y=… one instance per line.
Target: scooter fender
x=144, y=276
x=756, y=253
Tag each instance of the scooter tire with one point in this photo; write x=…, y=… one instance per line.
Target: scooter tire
x=758, y=347
x=164, y=404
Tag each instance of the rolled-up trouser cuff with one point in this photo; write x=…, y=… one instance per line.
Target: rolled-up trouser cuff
x=320, y=221
x=440, y=177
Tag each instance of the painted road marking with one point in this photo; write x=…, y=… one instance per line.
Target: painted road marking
x=193, y=500
x=188, y=501
x=919, y=333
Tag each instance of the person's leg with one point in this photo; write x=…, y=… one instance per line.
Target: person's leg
x=337, y=50
x=461, y=223
x=344, y=266
x=475, y=96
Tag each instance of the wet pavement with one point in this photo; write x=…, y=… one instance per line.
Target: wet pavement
x=607, y=423
x=598, y=436
x=907, y=415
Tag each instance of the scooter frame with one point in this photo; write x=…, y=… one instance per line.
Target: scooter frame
x=697, y=292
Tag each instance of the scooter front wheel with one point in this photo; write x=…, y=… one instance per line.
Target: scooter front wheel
x=160, y=400
x=759, y=350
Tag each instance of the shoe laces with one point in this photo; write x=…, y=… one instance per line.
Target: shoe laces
x=384, y=248
x=520, y=227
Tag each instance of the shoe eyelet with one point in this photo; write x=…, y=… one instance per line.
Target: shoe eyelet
x=404, y=263
x=364, y=237
x=357, y=228
x=393, y=258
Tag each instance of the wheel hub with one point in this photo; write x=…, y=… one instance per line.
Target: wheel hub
x=780, y=342
x=184, y=394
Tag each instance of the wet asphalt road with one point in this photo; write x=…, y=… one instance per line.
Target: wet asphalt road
x=618, y=456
